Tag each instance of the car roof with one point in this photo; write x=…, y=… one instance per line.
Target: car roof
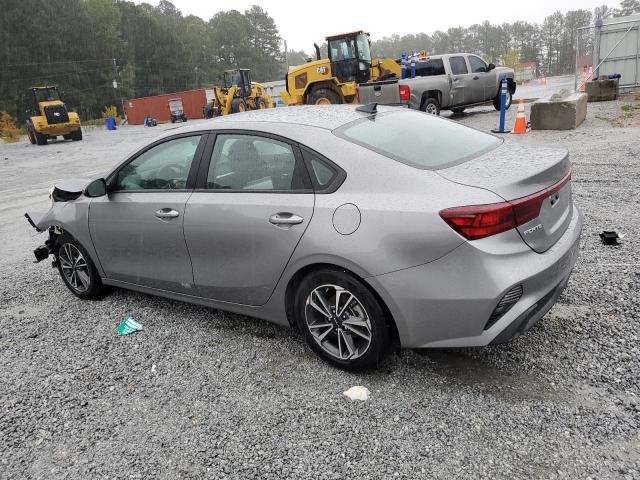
x=326, y=117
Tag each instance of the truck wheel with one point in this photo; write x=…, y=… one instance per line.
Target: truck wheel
x=40, y=138
x=238, y=105
x=457, y=109
x=32, y=138
x=324, y=96
x=173, y=119
x=430, y=105
x=496, y=101
x=261, y=104
x=77, y=135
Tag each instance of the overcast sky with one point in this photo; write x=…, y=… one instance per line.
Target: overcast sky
x=302, y=23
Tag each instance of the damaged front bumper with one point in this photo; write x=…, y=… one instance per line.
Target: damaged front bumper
x=43, y=251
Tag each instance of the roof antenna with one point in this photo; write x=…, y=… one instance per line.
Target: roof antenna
x=370, y=108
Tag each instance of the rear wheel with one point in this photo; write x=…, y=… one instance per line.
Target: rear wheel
x=430, y=105
x=30, y=134
x=77, y=270
x=496, y=101
x=457, y=109
x=323, y=96
x=40, y=138
x=238, y=105
x=77, y=135
x=341, y=320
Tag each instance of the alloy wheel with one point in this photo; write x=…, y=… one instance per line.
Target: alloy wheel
x=338, y=322
x=432, y=109
x=74, y=267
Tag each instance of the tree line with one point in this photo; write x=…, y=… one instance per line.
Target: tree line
x=83, y=46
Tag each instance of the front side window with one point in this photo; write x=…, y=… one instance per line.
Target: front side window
x=163, y=167
x=418, y=139
x=364, y=52
x=248, y=162
x=458, y=65
x=477, y=64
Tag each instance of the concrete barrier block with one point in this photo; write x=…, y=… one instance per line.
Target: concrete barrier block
x=563, y=111
x=602, y=90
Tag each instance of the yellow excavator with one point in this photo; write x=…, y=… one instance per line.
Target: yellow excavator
x=238, y=94
x=334, y=79
x=50, y=118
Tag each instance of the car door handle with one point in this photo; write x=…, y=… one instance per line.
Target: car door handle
x=167, y=213
x=476, y=77
x=285, y=218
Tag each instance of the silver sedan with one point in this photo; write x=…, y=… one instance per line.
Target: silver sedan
x=365, y=228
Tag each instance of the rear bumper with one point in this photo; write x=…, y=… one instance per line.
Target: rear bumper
x=447, y=303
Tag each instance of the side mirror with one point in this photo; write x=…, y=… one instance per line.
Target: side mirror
x=490, y=67
x=97, y=188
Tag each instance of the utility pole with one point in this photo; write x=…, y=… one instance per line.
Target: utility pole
x=115, y=86
x=196, y=69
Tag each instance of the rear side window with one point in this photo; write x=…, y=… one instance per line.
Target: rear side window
x=418, y=139
x=458, y=65
x=430, y=68
x=248, y=162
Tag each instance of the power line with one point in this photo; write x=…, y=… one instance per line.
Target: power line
x=53, y=63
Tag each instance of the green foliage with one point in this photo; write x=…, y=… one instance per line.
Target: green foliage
x=111, y=111
x=8, y=130
x=84, y=45
x=512, y=58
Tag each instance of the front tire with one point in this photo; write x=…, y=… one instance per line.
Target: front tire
x=324, y=96
x=341, y=320
x=77, y=270
x=431, y=106
x=238, y=105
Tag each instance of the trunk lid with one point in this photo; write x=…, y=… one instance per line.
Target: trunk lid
x=516, y=171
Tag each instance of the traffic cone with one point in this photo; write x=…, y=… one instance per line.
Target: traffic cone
x=520, y=126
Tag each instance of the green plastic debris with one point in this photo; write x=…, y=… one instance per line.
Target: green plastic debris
x=129, y=325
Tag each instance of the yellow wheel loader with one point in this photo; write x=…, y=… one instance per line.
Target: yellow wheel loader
x=239, y=94
x=50, y=117
x=334, y=79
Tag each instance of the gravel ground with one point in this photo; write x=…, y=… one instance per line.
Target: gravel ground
x=205, y=394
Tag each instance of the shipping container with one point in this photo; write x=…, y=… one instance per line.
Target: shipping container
x=157, y=106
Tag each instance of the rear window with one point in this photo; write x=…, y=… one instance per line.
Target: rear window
x=418, y=139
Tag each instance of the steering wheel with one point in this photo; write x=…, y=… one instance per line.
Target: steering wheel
x=170, y=173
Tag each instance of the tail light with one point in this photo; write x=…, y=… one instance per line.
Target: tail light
x=479, y=221
x=405, y=93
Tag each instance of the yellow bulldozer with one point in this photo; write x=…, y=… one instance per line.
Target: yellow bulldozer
x=238, y=94
x=334, y=79
x=50, y=118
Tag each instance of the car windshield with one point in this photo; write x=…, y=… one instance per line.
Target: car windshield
x=46, y=95
x=418, y=139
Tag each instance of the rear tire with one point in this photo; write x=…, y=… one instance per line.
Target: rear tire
x=40, y=138
x=357, y=335
x=238, y=105
x=32, y=138
x=77, y=270
x=324, y=96
x=457, y=110
x=496, y=101
x=77, y=135
x=430, y=105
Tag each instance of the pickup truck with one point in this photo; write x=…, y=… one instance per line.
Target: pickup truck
x=443, y=82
